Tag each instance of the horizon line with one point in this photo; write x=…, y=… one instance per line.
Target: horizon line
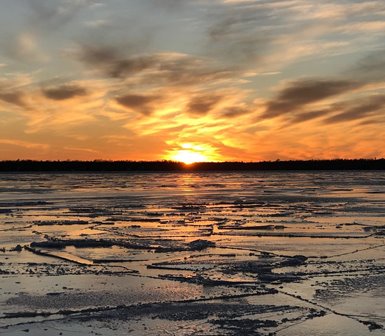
x=197, y=162
x=177, y=166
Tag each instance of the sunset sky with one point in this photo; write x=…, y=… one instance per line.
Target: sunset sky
x=214, y=79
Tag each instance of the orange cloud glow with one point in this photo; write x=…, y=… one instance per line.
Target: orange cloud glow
x=211, y=80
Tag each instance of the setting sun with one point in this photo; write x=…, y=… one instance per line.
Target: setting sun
x=190, y=152
x=188, y=156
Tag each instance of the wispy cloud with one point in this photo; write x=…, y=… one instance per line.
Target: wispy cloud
x=301, y=93
x=356, y=110
x=144, y=104
x=251, y=79
x=203, y=104
x=64, y=92
x=25, y=144
x=13, y=97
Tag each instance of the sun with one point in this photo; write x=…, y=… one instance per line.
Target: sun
x=191, y=152
x=188, y=156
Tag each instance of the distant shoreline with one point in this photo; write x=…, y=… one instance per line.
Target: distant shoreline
x=171, y=166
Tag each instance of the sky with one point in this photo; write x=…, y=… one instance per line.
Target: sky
x=235, y=80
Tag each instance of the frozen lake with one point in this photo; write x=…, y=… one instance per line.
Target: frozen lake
x=239, y=253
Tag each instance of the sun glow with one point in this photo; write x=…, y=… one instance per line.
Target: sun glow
x=188, y=156
x=191, y=152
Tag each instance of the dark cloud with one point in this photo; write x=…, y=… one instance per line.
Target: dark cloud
x=300, y=93
x=160, y=69
x=371, y=121
x=235, y=111
x=109, y=60
x=202, y=105
x=138, y=103
x=370, y=106
x=190, y=74
x=13, y=97
x=64, y=92
x=308, y=115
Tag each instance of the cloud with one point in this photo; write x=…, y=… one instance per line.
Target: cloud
x=235, y=111
x=169, y=4
x=139, y=103
x=112, y=63
x=160, y=69
x=276, y=33
x=369, y=106
x=13, y=97
x=300, y=93
x=308, y=115
x=192, y=70
x=203, y=104
x=25, y=144
x=370, y=68
x=96, y=23
x=24, y=47
x=55, y=14
x=14, y=89
x=237, y=31
x=64, y=92
x=33, y=24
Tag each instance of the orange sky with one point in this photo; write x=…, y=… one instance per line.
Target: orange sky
x=192, y=80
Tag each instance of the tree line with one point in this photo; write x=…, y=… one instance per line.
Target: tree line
x=172, y=166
